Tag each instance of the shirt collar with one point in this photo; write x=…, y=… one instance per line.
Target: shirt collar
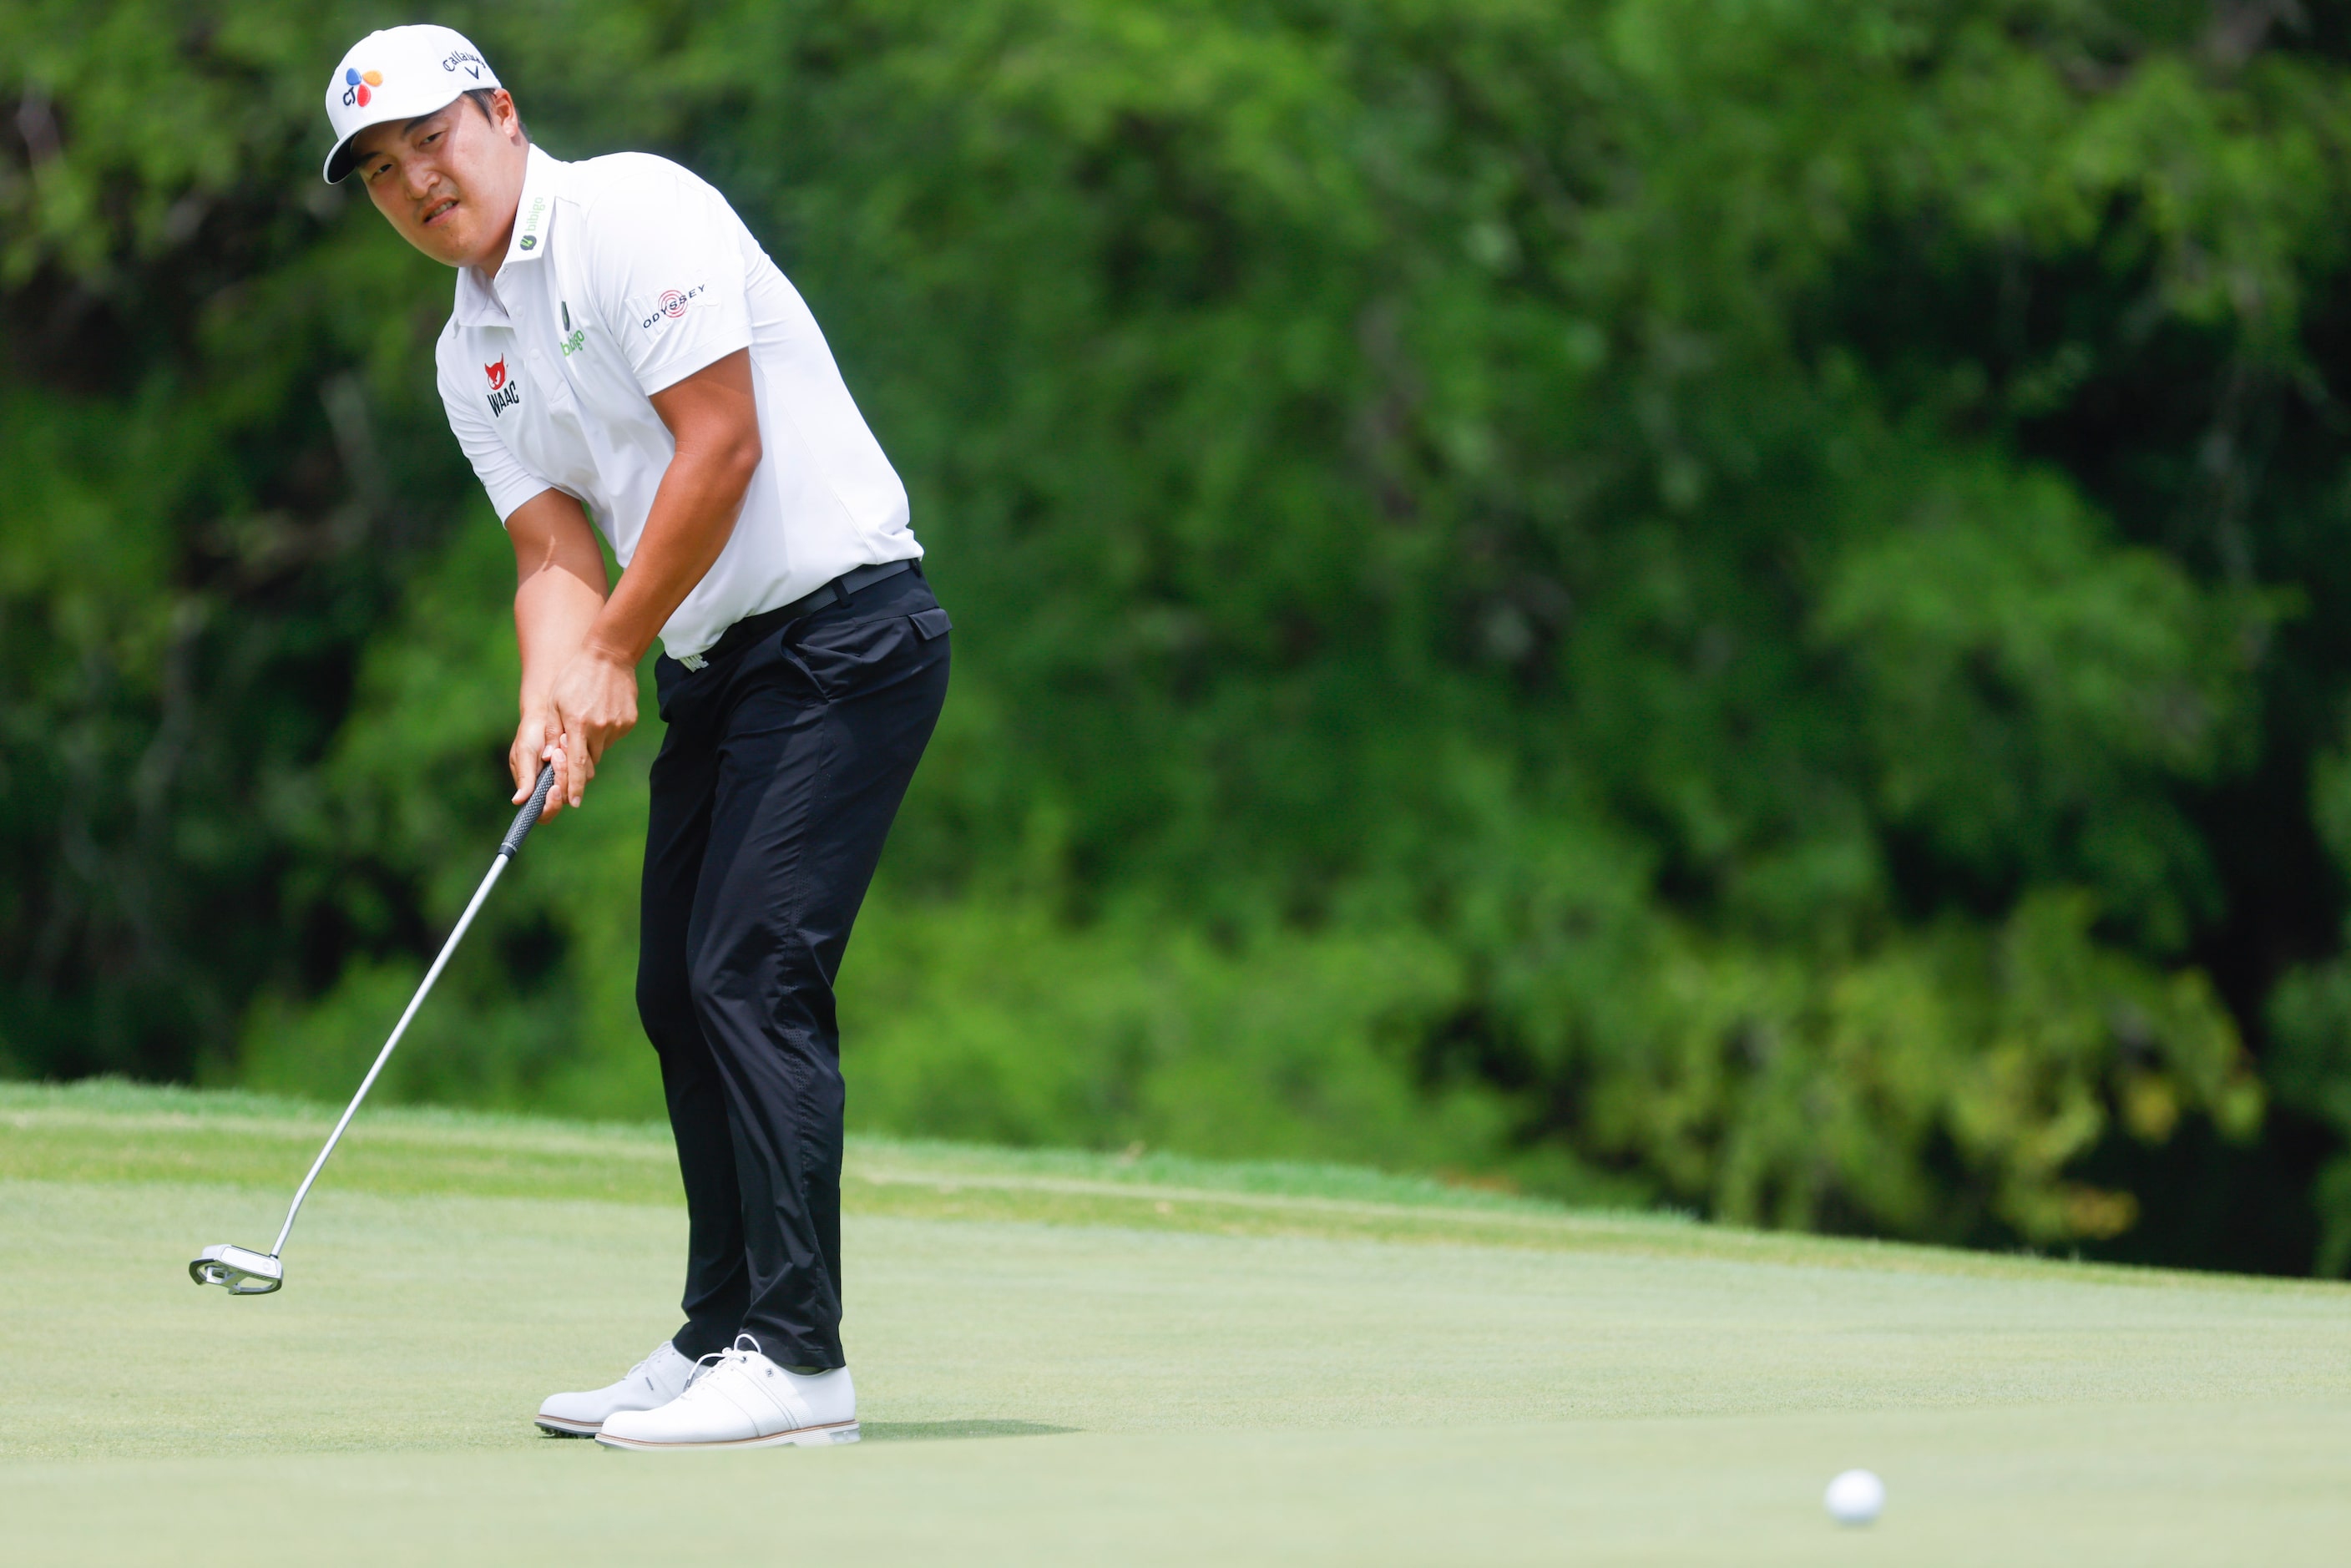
x=535, y=215
x=478, y=303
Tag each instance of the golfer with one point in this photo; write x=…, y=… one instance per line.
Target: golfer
x=623, y=357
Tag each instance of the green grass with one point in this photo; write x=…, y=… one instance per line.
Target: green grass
x=1072, y=1358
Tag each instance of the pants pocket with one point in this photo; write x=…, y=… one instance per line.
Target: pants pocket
x=843, y=658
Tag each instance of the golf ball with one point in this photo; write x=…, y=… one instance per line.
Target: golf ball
x=1855, y=1497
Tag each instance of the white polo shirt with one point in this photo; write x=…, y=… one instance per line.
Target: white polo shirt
x=624, y=275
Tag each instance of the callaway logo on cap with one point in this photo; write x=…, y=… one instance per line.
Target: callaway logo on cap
x=400, y=73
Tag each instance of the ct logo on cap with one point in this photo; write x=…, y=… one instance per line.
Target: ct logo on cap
x=357, y=84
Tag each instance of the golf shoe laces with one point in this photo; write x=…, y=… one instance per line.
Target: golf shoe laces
x=704, y=1366
x=736, y=1353
x=733, y=1355
x=639, y=1370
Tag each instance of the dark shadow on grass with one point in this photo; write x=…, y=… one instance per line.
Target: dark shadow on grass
x=939, y=1431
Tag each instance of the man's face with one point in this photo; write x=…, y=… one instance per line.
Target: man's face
x=450, y=182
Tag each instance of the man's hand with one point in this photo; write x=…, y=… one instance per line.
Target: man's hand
x=536, y=740
x=594, y=701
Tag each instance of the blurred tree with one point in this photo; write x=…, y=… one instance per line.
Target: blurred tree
x=1670, y=599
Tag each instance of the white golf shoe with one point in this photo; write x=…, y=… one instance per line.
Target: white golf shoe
x=742, y=1400
x=656, y=1380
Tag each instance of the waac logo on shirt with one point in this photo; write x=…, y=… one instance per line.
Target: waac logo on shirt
x=503, y=393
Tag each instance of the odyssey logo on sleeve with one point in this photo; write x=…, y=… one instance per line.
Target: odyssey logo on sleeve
x=672, y=305
x=359, y=86
x=503, y=393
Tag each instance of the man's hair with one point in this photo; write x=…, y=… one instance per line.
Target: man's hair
x=484, y=101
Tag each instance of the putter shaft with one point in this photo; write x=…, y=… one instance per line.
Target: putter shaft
x=524, y=821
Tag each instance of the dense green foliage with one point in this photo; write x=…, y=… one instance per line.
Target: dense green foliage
x=1727, y=602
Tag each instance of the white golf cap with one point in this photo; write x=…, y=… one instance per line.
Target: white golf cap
x=399, y=73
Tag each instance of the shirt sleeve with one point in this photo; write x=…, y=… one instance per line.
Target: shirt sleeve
x=507, y=477
x=666, y=260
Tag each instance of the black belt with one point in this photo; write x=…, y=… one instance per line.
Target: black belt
x=751, y=628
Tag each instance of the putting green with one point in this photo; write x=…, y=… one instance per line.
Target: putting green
x=1082, y=1359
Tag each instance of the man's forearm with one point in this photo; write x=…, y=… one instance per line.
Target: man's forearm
x=555, y=610
x=714, y=422
x=559, y=587
x=586, y=652
x=692, y=516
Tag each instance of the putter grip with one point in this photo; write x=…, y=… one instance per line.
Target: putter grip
x=527, y=817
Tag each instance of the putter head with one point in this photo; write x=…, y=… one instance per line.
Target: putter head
x=245, y=1274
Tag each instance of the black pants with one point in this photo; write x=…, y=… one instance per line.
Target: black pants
x=782, y=768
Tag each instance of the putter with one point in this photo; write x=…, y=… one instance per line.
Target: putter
x=249, y=1273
